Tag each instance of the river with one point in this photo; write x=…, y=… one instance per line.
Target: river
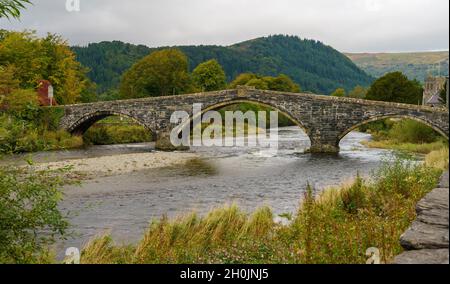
x=123, y=205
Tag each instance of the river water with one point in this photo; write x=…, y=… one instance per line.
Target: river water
x=123, y=205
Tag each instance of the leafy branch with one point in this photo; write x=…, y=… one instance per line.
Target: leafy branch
x=11, y=8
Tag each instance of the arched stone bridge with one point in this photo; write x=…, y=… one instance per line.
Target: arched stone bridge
x=326, y=120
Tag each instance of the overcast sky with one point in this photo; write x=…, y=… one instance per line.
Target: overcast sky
x=347, y=25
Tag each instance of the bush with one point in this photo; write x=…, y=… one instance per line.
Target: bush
x=410, y=131
x=29, y=216
x=23, y=104
x=116, y=134
x=19, y=136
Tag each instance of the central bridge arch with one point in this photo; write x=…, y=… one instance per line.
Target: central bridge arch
x=220, y=105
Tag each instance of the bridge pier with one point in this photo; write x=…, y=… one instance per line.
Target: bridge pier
x=324, y=148
x=163, y=142
x=324, y=142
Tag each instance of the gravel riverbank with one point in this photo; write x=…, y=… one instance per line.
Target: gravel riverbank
x=119, y=164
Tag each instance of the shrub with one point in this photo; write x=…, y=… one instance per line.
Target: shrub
x=413, y=132
x=116, y=134
x=23, y=104
x=29, y=216
x=19, y=136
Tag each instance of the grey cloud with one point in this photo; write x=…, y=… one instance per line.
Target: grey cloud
x=348, y=25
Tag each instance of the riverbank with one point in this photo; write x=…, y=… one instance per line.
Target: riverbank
x=336, y=226
x=422, y=148
x=118, y=164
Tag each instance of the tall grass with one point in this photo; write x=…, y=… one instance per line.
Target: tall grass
x=337, y=226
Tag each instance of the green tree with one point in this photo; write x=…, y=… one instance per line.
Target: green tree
x=242, y=79
x=11, y=8
x=359, y=92
x=340, y=92
x=23, y=104
x=8, y=82
x=281, y=83
x=209, y=76
x=32, y=59
x=258, y=83
x=162, y=73
x=395, y=87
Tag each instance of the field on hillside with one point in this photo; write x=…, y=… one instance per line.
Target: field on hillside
x=414, y=65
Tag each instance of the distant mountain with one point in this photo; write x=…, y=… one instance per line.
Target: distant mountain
x=414, y=65
x=316, y=67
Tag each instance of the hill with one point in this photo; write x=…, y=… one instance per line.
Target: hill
x=414, y=65
x=316, y=67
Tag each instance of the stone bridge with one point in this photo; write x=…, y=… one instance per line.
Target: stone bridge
x=326, y=120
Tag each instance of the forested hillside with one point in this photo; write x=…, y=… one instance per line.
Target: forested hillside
x=313, y=65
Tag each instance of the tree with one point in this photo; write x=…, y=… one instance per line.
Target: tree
x=281, y=83
x=32, y=59
x=8, y=82
x=359, y=92
x=209, y=76
x=162, y=73
x=258, y=83
x=11, y=8
x=395, y=87
x=242, y=79
x=23, y=104
x=340, y=92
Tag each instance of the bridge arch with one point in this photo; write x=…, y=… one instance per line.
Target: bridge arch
x=80, y=126
x=381, y=117
x=216, y=106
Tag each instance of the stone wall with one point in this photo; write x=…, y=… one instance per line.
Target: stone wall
x=426, y=241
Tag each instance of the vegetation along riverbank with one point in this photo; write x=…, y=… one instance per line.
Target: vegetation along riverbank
x=335, y=226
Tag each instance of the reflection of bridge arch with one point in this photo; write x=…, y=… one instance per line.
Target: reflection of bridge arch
x=85, y=122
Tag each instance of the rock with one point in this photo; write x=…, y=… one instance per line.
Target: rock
x=427, y=239
x=425, y=256
x=433, y=209
x=444, y=181
x=424, y=236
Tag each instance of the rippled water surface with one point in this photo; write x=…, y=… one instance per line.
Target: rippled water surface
x=251, y=177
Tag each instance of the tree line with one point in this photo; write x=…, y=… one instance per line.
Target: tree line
x=316, y=67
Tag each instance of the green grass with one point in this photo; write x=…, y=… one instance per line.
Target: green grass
x=338, y=226
x=423, y=148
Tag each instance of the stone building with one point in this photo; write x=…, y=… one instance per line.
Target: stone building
x=432, y=90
